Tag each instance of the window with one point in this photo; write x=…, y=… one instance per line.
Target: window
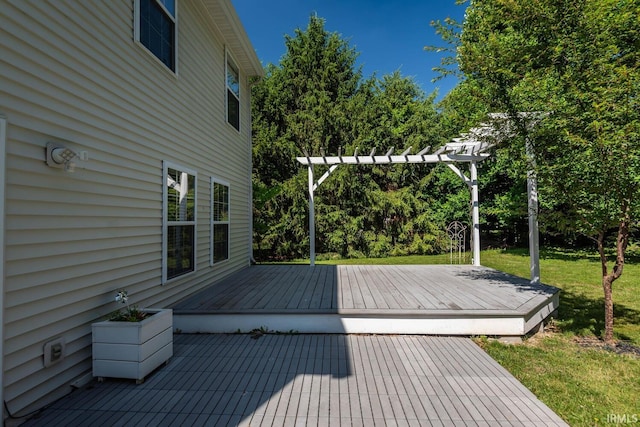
x=179, y=222
x=219, y=221
x=233, y=94
x=156, y=29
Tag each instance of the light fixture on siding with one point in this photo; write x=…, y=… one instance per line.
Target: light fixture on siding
x=59, y=156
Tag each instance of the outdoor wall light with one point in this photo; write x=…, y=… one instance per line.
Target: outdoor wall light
x=59, y=156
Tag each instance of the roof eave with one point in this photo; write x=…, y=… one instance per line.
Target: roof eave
x=226, y=20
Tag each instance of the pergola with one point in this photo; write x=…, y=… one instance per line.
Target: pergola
x=470, y=148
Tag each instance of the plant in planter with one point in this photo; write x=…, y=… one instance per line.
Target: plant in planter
x=133, y=342
x=129, y=314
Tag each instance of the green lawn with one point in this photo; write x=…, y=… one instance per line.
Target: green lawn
x=581, y=385
x=581, y=301
x=584, y=384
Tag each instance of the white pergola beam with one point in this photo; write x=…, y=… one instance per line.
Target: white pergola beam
x=381, y=160
x=324, y=176
x=424, y=151
x=458, y=172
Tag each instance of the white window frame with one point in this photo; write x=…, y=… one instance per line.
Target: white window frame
x=166, y=165
x=228, y=58
x=213, y=222
x=174, y=18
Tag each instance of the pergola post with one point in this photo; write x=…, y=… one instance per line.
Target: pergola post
x=532, y=193
x=312, y=225
x=475, y=213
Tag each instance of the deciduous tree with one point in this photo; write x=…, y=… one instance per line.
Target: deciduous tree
x=577, y=61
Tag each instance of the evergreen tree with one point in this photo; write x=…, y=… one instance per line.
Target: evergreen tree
x=299, y=108
x=316, y=101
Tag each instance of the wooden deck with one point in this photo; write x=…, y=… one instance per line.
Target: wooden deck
x=414, y=299
x=311, y=380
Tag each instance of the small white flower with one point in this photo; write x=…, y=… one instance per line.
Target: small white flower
x=122, y=297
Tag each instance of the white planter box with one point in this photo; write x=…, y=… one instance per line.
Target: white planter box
x=132, y=349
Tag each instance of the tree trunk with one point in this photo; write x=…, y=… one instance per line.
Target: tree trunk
x=607, y=286
x=622, y=240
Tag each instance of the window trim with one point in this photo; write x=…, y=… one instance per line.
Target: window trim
x=166, y=165
x=212, y=222
x=136, y=32
x=228, y=58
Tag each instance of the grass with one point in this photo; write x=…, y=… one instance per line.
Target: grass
x=582, y=385
x=578, y=274
x=585, y=384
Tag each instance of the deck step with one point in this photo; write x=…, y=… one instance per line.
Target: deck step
x=460, y=322
x=425, y=299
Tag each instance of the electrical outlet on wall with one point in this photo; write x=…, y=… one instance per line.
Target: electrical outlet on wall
x=54, y=352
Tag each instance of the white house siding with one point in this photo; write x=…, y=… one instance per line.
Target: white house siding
x=71, y=72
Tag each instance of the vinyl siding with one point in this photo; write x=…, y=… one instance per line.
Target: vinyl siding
x=72, y=73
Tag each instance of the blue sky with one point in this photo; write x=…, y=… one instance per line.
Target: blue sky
x=389, y=35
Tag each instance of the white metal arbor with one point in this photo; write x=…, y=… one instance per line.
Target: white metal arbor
x=468, y=148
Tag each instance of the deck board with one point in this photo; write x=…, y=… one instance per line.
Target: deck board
x=336, y=380
x=361, y=288
x=374, y=293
